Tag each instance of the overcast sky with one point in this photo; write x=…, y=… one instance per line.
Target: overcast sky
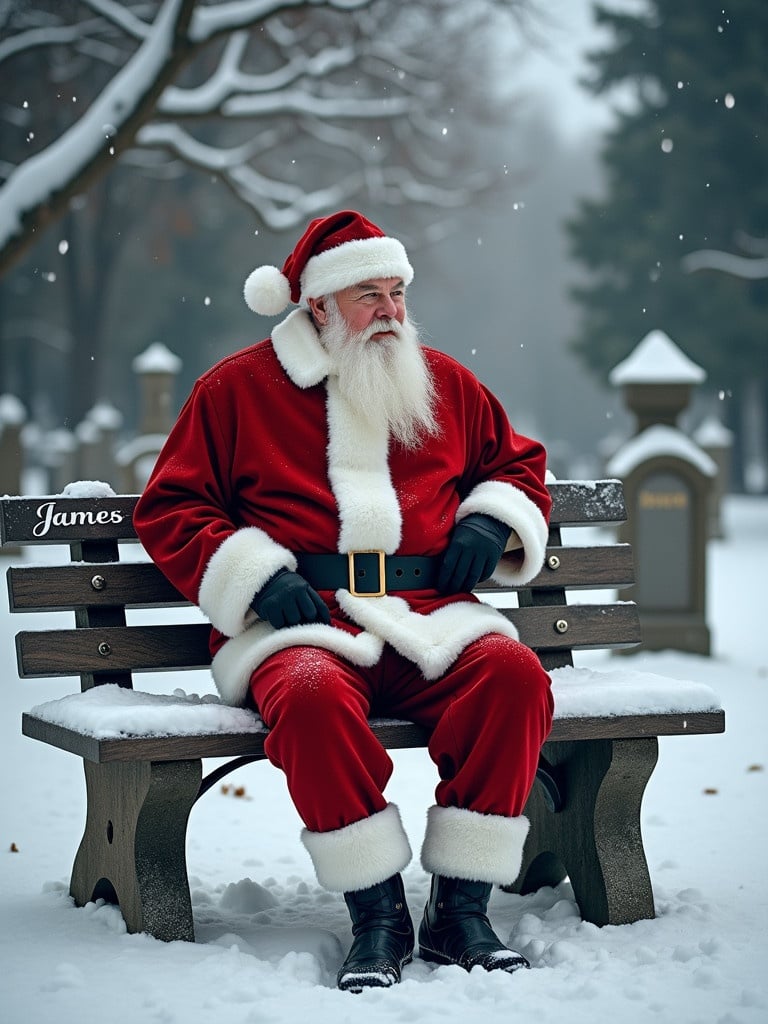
x=569, y=31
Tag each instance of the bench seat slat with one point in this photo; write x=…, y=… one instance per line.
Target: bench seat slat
x=392, y=734
x=185, y=645
x=45, y=588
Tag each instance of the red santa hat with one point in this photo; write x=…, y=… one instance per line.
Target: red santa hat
x=333, y=253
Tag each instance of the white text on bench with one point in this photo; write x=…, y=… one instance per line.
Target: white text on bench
x=50, y=517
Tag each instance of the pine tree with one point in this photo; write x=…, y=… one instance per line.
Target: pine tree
x=686, y=168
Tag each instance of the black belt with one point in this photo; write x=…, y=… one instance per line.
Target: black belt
x=369, y=573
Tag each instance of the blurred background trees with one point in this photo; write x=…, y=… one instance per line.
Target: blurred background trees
x=152, y=152
x=140, y=138
x=686, y=167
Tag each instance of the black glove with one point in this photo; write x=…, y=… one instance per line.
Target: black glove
x=473, y=553
x=286, y=599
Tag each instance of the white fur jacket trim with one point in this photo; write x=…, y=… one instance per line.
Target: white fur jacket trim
x=510, y=506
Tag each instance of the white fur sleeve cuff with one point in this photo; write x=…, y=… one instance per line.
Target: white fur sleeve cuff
x=237, y=570
x=515, y=509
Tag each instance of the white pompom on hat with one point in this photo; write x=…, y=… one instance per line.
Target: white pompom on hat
x=267, y=291
x=333, y=253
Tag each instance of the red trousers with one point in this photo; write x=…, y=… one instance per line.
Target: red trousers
x=489, y=715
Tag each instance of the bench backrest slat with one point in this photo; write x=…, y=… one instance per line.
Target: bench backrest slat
x=585, y=568
x=53, y=519
x=579, y=502
x=98, y=587
x=185, y=645
x=142, y=585
x=112, y=649
x=49, y=588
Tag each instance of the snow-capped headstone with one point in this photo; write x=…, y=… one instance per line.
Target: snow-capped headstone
x=668, y=479
x=716, y=440
x=156, y=369
x=656, y=380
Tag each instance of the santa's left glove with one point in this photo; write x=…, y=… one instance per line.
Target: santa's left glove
x=477, y=544
x=286, y=599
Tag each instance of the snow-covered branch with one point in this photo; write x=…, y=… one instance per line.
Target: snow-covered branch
x=41, y=187
x=322, y=70
x=226, y=17
x=229, y=83
x=120, y=16
x=748, y=268
x=216, y=159
x=54, y=35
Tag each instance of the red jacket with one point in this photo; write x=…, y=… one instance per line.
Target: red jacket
x=267, y=459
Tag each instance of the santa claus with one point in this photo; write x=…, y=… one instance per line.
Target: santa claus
x=330, y=497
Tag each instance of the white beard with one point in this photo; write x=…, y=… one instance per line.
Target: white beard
x=387, y=380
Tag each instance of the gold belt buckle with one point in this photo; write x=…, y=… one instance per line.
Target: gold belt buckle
x=351, y=555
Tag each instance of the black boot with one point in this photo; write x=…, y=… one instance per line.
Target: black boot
x=383, y=937
x=456, y=930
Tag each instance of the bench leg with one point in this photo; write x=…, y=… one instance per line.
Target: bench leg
x=133, y=848
x=595, y=838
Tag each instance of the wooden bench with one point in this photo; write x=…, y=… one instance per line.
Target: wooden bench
x=584, y=811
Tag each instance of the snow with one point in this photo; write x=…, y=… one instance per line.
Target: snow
x=12, y=411
x=748, y=268
x=157, y=359
x=270, y=940
x=87, y=432
x=659, y=441
x=711, y=433
x=141, y=445
x=105, y=416
x=110, y=711
x=208, y=22
x=88, y=489
x=656, y=360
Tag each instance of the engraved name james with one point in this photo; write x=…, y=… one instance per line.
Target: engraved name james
x=49, y=517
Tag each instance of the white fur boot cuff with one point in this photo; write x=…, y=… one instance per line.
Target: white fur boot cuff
x=478, y=847
x=359, y=855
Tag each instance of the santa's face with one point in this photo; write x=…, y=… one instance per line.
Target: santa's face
x=382, y=371
x=380, y=299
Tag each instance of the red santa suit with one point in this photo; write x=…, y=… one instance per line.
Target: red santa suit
x=268, y=460
x=268, y=463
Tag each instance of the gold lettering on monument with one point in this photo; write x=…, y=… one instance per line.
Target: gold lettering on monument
x=663, y=499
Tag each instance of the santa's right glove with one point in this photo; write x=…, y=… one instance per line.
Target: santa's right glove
x=286, y=599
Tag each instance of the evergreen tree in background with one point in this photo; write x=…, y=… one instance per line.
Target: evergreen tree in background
x=686, y=169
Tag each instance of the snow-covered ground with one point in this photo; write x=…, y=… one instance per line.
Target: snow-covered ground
x=269, y=940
